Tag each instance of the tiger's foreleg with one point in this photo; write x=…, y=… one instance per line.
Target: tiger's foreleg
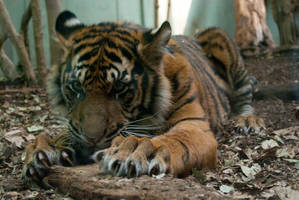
x=188, y=143
x=184, y=147
x=45, y=152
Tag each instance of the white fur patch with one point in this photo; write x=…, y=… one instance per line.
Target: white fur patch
x=112, y=75
x=72, y=22
x=154, y=31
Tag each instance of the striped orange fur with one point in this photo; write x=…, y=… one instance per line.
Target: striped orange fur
x=145, y=101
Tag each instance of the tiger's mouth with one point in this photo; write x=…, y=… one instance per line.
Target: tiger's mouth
x=92, y=140
x=147, y=126
x=125, y=131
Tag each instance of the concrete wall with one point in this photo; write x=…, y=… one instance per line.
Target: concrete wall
x=186, y=16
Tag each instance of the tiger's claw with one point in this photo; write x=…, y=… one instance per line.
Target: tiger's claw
x=41, y=155
x=66, y=159
x=249, y=124
x=133, y=158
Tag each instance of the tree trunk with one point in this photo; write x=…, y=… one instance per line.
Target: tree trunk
x=286, y=16
x=38, y=41
x=252, y=33
x=57, y=52
x=87, y=182
x=17, y=40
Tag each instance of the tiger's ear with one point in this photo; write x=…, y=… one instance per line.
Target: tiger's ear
x=160, y=36
x=66, y=24
x=154, y=42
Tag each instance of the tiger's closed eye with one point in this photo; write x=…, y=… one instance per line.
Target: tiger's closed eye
x=120, y=88
x=76, y=88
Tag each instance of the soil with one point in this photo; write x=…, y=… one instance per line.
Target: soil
x=253, y=166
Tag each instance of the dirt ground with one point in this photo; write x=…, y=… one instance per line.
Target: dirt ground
x=253, y=166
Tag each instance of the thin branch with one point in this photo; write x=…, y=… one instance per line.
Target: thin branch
x=21, y=90
x=3, y=39
x=17, y=40
x=7, y=66
x=24, y=27
x=156, y=13
x=168, y=10
x=38, y=41
x=57, y=52
x=142, y=12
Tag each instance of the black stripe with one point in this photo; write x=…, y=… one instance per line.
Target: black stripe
x=84, y=45
x=73, y=127
x=186, y=90
x=241, y=81
x=227, y=41
x=153, y=93
x=126, y=53
x=174, y=80
x=245, y=93
x=112, y=133
x=112, y=56
x=105, y=28
x=144, y=86
x=124, y=39
x=200, y=68
x=189, y=118
x=187, y=101
x=186, y=156
x=68, y=65
x=89, y=54
x=208, y=80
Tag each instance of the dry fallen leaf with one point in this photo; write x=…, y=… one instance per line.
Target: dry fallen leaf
x=13, y=133
x=286, y=193
x=35, y=128
x=286, y=152
x=286, y=131
x=29, y=137
x=269, y=144
x=226, y=188
x=15, y=136
x=250, y=172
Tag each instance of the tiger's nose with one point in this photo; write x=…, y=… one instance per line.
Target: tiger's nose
x=91, y=140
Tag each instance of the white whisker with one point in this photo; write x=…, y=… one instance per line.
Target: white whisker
x=143, y=128
x=137, y=134
x=143, y=119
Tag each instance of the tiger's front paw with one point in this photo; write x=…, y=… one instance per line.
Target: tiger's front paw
x=133, y=157
x=249, y=124
x=41, y=155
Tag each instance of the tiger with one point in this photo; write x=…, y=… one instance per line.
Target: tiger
x=141, y=101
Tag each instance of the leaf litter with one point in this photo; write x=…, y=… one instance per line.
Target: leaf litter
x=252, y=166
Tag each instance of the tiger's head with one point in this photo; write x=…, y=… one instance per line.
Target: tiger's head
x=112, y=76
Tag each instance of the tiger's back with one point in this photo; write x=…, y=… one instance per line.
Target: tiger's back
x=212, y=87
